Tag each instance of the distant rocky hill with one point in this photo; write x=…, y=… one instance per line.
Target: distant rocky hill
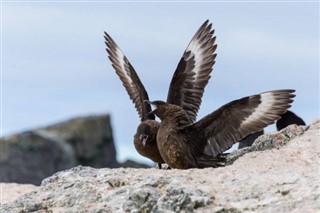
x=31, y=156
x=279, y=173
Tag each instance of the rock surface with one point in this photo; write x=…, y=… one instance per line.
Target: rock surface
x=278, y=174
x=11, y=191
x=31, y=156
x=91, y=139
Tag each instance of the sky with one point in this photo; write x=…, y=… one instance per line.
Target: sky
x=54, y=65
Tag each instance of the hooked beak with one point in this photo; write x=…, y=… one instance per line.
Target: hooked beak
x=143, y=138
x=153, y=106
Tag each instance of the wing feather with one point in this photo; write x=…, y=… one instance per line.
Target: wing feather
x=237, y=119
x=193, y=71
x=129, y=78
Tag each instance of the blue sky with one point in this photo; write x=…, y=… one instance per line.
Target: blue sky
x=54, y=64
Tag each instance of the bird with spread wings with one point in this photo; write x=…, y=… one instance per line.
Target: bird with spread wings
x=186, y=88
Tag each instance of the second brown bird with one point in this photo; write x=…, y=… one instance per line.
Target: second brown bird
x=184, y=145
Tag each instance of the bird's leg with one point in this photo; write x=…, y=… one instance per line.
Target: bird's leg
x=159, y=165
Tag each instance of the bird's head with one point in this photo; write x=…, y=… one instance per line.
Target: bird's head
x=147, y=132
x=159, y=108
x=164, y=110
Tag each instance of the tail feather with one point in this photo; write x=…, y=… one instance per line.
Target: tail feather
x=214, y=162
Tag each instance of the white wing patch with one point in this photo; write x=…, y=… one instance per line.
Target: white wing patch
x=267, y=103
x=121, y=59
x=196, y=51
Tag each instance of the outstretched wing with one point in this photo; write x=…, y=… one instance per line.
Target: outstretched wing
x=129, y=78
x=193, y=71
x=237, y=119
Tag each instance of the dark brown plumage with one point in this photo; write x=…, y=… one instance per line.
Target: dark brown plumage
x=248, y=140
x=186, y=88
x=145, y=140
x=287, y=119
x=200, y=144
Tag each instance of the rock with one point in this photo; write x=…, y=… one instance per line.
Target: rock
x=11, y=191
x=279, y=174
x=31, y=156
x=131, y=164
x=270, y=141
x=91, y=139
